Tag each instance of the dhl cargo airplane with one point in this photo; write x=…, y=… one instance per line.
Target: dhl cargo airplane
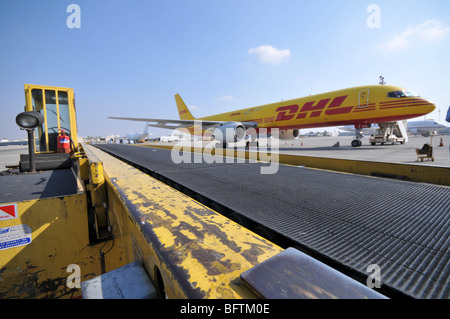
x=358, y=106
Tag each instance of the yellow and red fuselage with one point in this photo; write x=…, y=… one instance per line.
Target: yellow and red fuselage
x=357, y=106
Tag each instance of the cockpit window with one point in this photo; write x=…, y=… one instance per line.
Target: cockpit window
x=410, y=93
x=403, y=93
x=396, y=94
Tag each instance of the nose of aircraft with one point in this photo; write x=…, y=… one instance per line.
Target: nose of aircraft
x=428, y=106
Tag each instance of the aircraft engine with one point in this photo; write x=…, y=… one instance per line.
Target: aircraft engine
x=289, y=134
x=230, y=132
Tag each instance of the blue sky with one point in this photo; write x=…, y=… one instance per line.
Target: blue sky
x=130, y=58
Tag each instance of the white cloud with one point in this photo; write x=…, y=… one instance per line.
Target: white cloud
x=269, y=54
x=428, y=32
x=226, y=98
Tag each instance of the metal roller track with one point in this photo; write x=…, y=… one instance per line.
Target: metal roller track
x=347, y=221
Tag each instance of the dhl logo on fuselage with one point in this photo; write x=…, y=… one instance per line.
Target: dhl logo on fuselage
x=294, y=111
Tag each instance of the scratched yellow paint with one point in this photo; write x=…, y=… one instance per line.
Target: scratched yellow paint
x=200, y=247
x=169, y=238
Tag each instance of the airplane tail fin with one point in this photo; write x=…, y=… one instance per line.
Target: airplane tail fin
x=146, y=128
x=184, y=112
x=448, y=115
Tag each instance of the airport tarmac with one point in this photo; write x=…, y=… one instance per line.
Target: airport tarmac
x=10, y=155
x=318, y=146
x=324, y=147
x=397, y=153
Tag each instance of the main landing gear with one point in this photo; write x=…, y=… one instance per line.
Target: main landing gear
x=248, y=144
x=252, y=142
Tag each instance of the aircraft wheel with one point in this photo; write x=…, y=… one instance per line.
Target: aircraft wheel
x=356, y=143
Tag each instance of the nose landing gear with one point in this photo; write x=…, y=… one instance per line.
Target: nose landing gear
x=357, y=142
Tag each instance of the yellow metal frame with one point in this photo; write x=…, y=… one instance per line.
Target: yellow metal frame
x=189, y=250
x=92, y=172
x=60, y=238
x=72, y=110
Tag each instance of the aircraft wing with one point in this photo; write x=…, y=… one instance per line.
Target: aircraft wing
x=176, y=124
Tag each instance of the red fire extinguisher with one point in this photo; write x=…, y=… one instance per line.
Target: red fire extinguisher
x=63, y=143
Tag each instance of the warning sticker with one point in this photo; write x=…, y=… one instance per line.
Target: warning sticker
x=8, y=211
x=15, y=236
